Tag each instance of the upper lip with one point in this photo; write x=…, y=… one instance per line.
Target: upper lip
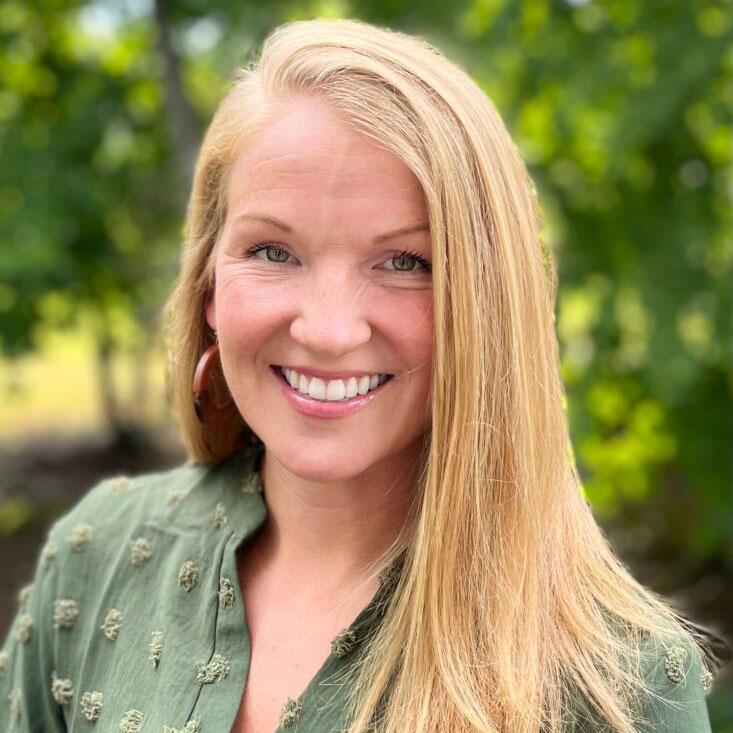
x=345, y=374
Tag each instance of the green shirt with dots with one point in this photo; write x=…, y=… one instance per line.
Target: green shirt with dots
x=134, y=620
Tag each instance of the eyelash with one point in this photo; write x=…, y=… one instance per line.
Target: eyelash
x=252, y=251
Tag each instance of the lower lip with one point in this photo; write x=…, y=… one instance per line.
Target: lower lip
x=315, y=408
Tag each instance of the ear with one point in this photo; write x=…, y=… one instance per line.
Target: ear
x=211, y=313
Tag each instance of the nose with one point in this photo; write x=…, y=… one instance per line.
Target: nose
x=332, y=320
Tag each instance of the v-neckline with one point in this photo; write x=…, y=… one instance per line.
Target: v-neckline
x=363, y=624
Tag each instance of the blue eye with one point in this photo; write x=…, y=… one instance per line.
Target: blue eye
x=269, y=247
x=404, y=257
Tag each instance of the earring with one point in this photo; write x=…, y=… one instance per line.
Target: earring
x=206, y=412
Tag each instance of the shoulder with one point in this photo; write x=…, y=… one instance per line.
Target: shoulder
x=120, y=512
x=678, y=680
x=128, y=499
x=121, y=563
x=676, y=662
x=128, y=531
x=115, y=503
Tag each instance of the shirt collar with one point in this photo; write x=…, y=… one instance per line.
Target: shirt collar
x=226, y=496
x=229, y=494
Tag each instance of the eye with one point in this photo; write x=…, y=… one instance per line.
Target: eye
x=404, y=262
x=280, y=254
x=407, y=262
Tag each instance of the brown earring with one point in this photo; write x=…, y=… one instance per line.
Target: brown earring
x=206, y=411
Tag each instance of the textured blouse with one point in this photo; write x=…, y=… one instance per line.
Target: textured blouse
x=134, y=621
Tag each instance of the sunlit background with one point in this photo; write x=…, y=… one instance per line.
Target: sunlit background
x=622, y=111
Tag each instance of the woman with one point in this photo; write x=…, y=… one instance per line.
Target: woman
x=381, y=527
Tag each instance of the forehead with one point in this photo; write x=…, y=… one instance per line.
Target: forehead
x=307, y=158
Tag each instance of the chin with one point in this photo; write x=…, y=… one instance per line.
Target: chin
x=320, y=459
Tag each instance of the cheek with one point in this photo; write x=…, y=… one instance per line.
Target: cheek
x=245, y=305
x=249, y=308
x=409, y=326
x=409, y=331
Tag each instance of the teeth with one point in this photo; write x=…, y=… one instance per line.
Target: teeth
x=352, y=387
x=333, y=390
x=316, y=388
x=292, y=378
x=336, y=390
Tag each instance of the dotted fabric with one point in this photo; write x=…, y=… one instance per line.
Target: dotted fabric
x=134, y=619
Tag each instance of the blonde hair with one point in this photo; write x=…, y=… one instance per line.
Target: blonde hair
x=511, y=610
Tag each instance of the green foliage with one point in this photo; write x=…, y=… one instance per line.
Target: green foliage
x=621, y=109
x=86, y=186
x=16, y=512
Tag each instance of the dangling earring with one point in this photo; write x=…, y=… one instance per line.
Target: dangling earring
x=206, y=412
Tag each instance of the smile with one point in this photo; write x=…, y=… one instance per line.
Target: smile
x=322, y=406
x=332, y=390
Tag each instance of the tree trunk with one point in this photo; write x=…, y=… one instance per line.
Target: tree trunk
x=182, y=122
x=104, y=350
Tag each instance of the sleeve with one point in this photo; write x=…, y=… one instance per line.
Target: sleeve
x=679, y=681
x=28, y=688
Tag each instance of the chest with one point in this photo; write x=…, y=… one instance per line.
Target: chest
x=281, y=667
x=289, y=643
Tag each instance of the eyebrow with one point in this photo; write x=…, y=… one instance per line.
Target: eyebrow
x=377, y=240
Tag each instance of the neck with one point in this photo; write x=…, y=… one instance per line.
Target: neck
x=327, y=534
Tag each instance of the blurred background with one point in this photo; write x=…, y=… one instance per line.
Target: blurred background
x=622, y=111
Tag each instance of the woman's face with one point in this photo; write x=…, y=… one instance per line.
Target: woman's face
x=328, y=293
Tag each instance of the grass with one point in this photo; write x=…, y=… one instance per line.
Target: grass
x=56, y=388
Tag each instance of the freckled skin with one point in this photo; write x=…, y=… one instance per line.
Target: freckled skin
x=337, y=302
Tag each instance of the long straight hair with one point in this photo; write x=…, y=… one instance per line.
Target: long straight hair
x=512, y=612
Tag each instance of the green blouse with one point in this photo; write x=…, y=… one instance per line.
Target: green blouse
x=134, y=620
